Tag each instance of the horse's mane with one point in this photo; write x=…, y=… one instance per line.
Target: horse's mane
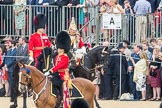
x=95, y=48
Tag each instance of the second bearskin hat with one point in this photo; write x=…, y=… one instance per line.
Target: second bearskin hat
x=39, y=21
x=63, y=41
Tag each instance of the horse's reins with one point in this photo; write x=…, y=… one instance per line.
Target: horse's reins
x=39, y=83
x=82, y=64
x=96, y=67
x=30, y=77
x=40, y=92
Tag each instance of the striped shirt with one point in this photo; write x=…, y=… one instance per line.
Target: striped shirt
x=142, y=7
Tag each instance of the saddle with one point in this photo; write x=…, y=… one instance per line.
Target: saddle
x=74, y=92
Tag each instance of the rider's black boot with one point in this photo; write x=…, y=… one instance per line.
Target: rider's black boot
x=58, y=102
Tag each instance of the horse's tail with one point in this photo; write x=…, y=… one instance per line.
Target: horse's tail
x=97, y=104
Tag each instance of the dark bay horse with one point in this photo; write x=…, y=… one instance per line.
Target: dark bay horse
x=89, y=62
x=42, y=91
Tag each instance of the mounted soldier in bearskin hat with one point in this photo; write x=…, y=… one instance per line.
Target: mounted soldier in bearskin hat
x=39, y=44
x=77, y=44
x=60, y=71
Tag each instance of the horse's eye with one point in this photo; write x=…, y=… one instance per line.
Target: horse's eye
x=23, y=75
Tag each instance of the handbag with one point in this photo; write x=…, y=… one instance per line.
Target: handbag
x=2, y=92
x=153, y=73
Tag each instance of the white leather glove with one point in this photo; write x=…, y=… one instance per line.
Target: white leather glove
x=47, y=73
x=31, y=58
x=84, y=50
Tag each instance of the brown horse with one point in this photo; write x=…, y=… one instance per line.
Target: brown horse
x=42, y=91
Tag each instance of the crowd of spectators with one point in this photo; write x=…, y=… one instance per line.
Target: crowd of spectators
x=138, y=19
x=16, y=15
x=139, y=69
x=140, y=8
x=10, y=53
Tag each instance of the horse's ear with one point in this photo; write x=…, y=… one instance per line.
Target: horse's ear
x=21, y=65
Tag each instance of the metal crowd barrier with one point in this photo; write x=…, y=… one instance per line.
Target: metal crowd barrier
x=88, y=20
x=128, y=29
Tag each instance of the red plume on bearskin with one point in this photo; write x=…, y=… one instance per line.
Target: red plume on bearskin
x=40, y=21
x=35, y=20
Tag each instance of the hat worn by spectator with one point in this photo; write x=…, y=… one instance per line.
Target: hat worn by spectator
x=63, y=41
x=121, y=45
x=39, y=21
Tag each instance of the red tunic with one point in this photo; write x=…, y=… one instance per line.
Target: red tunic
x=3, y=72
x=61, y=64
x=35, y=44
x=81, y=44
x=1, y=60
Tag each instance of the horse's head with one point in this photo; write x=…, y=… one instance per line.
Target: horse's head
x=24, y=77
x=94, y=56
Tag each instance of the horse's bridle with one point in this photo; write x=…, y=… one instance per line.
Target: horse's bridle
x=41, y=91
x=92, y=69
x=27, y=76
x=82, y=63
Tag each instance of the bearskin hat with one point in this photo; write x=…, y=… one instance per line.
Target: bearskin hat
x=39, y=21
x=63, y=41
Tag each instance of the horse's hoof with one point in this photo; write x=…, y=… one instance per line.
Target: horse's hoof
x=13, y=106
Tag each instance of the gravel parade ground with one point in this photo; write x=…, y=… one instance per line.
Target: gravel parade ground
x=5, y=102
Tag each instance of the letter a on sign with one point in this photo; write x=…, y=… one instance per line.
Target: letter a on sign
x=112, y=21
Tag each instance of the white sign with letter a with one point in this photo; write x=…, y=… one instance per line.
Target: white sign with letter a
x=111, y=21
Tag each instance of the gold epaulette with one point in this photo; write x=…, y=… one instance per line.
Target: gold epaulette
x=70, y=84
